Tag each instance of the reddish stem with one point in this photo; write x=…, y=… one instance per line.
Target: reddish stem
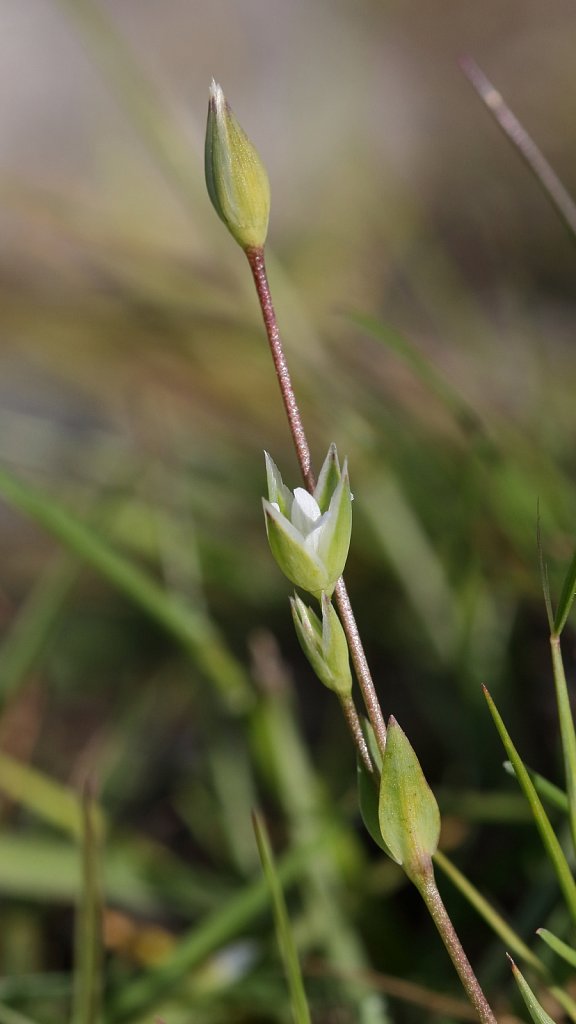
x=361, y=668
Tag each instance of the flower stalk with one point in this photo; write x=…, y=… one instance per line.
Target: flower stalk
x=426, y=885
x=257, y=264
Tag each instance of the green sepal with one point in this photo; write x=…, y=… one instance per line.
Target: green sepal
x=277, y=490
x=407, y=810
x=334, y=543
x=324, y=644
x=328, y=479
x=300, y=566
x=368, y=786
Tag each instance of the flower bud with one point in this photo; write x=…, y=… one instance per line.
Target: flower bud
x=235, y=176
x=324, y=644
x=309, y=543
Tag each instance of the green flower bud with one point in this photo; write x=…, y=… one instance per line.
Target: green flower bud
x=235, y=176
x=407, y=810
x=324, y=644
x=309, y=544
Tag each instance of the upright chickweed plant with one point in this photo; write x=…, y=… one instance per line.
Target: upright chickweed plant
x=309, y=530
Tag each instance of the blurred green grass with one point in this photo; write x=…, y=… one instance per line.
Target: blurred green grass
x=137, y=392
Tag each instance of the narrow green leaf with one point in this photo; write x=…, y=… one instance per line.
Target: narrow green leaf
x=547, y=834
x=144, y=882
x=537, y=1012
x=567, y=595
x=544, y=574
x=551, y=794
x=502, y=929
x=284, y=934
x=496, y=922
x=143, y=995
x=190, y=626
x=49, y=800
x=88, y=940
x=561, y=948
x=567, y=733
x=407, y=810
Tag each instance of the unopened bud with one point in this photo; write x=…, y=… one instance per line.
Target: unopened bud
x=324, y=644
x=235, y=176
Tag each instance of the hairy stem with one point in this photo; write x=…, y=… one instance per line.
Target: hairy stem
x=426, y=885
x=353, y=721
x=361, y=668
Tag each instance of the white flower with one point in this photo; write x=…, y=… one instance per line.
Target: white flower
x=310, y=534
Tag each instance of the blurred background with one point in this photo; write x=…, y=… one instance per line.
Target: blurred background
x=425, y=290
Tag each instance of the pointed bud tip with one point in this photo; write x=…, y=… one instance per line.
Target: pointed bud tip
x=216, y=94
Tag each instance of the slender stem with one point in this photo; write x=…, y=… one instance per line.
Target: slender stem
x=360, y=663
x=426, y=885
x=519, y=137
x=361, y=668
x=258, y=268
x=351, y=715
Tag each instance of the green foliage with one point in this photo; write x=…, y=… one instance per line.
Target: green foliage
x=284, y=933
x=536, y=1011
x=407, y=810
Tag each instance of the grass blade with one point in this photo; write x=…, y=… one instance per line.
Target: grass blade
x=496, y=922
x=547, y=834
x=554, y=189
x=88, y=942
x=561, y=948
x=566, y=597
x=189, y=626
x=285, y=758
x=502, y=929
x=567, y=733
x=544, y=580
x=288, y=951
x=537, y=1012
x=50, y=801
x=551, y=794
x=145, y=994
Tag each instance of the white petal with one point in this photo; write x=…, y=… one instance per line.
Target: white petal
x=305, y=511
x=313, y=538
